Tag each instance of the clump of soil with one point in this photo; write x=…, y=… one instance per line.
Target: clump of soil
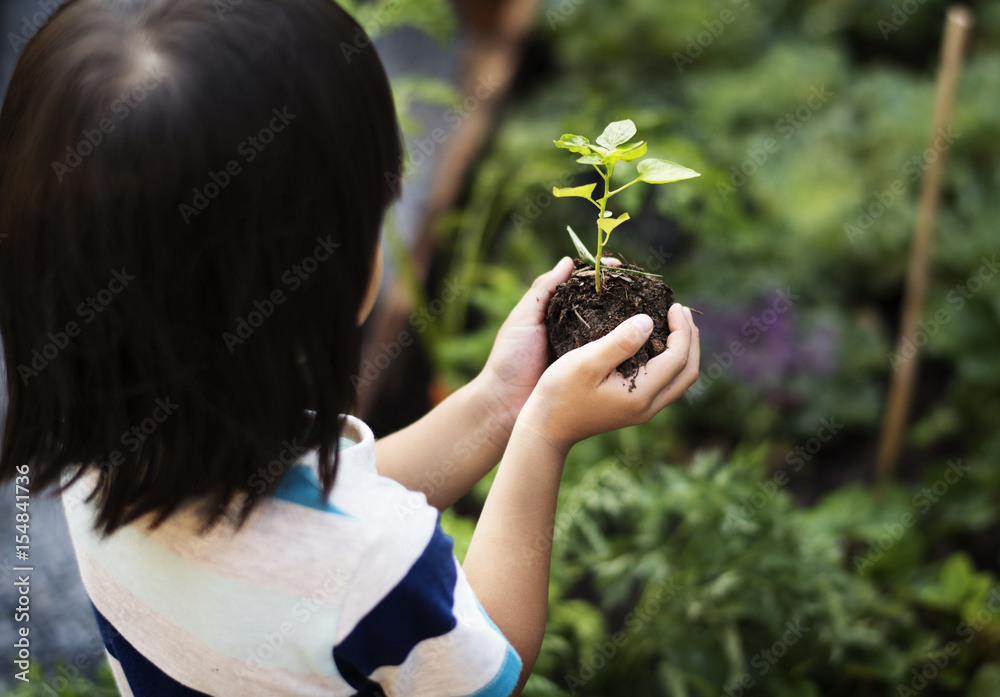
x=577, y=315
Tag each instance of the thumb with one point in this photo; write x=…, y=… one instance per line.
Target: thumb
x=622, y=343
x=530, y=311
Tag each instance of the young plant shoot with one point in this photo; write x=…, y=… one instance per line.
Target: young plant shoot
x=612, y=147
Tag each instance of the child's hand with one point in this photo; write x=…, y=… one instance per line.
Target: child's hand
x=582, y=394
x=520, y=353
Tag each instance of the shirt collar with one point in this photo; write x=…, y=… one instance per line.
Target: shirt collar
x=356, y=448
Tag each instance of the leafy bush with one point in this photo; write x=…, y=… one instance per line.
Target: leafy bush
x=708, y=581
x=809, y=122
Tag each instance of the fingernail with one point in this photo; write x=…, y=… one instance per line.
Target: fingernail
x=643, y=323
x=563, y=261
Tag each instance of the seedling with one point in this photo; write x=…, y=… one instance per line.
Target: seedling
x=612, y=147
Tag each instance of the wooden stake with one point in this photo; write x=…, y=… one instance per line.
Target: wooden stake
x=901, y=390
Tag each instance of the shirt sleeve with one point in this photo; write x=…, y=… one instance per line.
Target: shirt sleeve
x=428, y=636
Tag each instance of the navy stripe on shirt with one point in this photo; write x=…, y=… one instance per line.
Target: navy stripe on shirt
x=420, y=607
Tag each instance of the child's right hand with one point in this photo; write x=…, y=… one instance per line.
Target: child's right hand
x=581, y=394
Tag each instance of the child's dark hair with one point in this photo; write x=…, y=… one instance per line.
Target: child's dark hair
x=191, y=195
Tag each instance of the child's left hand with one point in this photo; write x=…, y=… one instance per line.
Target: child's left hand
x=520, y=353
x=450, y=449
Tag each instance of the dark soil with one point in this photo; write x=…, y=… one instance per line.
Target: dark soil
x=577, y=315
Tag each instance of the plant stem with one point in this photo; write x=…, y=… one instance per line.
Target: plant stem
x=602, y=205
x=634, y=181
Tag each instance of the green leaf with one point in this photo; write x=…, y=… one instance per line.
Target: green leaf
x=629, y=152
x=732, y=647
x=581, y=249
x=617, y=133
x=591, y=159
x=952, y=585
x=654, y=171
x=955, y=576
x=579, y=191
x=609, y=224
x=577, y=144
x=637, y=272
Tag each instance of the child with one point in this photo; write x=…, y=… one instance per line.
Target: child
x=191, y=194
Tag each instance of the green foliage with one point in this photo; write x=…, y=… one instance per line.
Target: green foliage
x=986, y=682
x=612, y=147
x=432, y=17
x=44, y=683
x=697, y=593
x=409, y=90
x=801, y=118
x=801, y=219
x=379, y=17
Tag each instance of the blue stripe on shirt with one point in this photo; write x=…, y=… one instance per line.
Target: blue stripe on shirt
x=506, y=680
x=143, y=677
x=299, y=485
x=419, y=607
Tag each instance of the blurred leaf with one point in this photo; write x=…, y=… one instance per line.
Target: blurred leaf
x=986, y=683
x=952, y=586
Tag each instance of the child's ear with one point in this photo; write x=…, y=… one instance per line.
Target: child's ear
x=374, y=283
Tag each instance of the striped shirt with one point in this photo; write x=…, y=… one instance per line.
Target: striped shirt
x=358, y=593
